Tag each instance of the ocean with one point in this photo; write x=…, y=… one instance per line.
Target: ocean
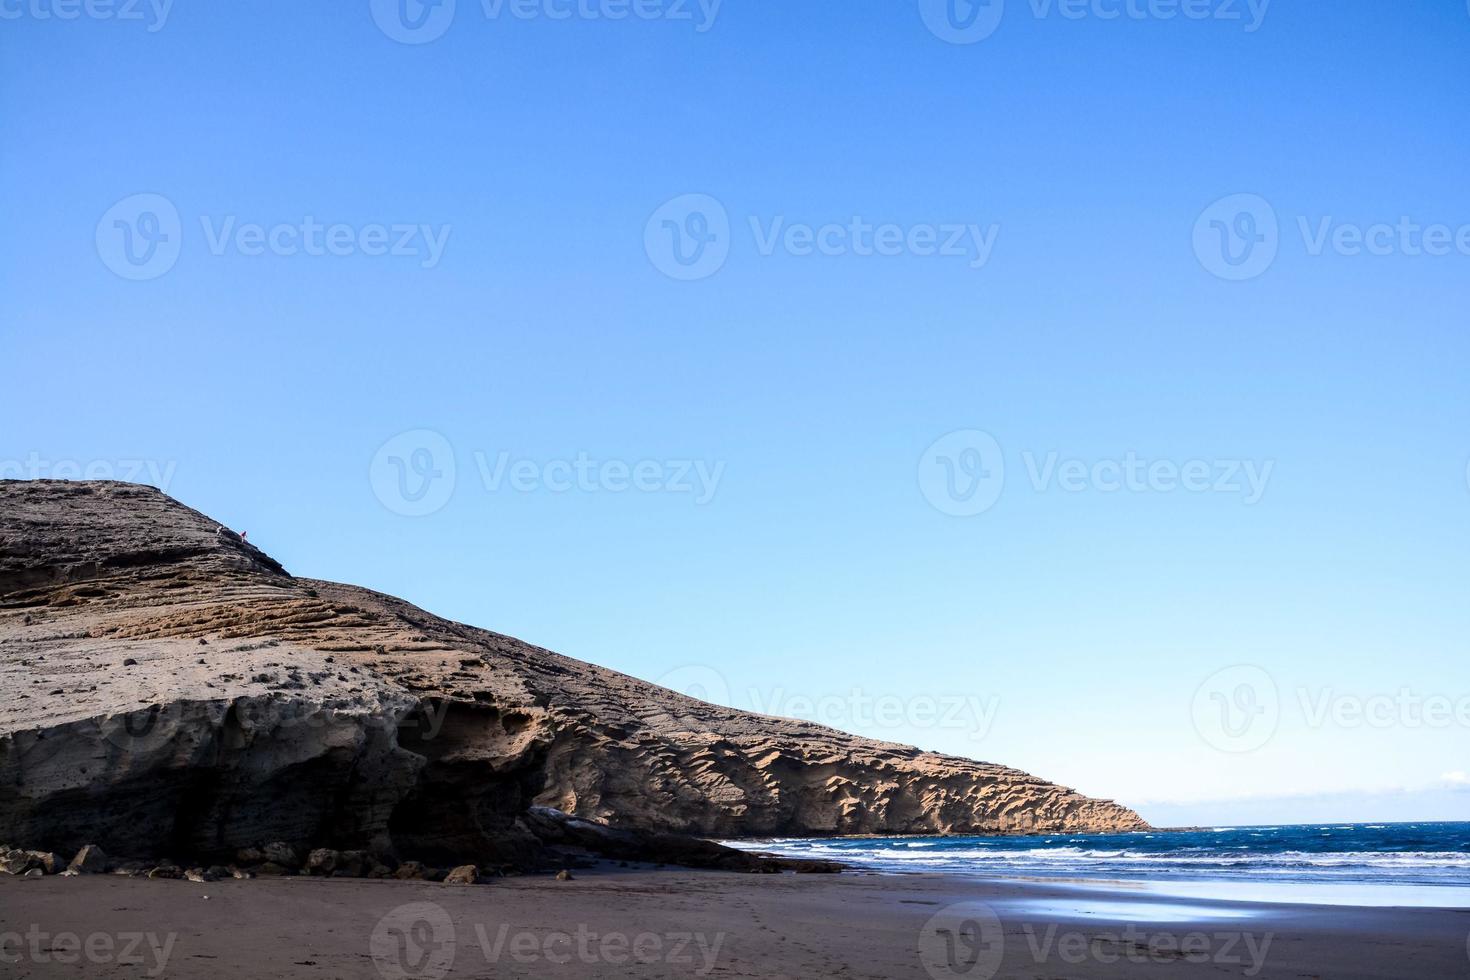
x=1433, y=858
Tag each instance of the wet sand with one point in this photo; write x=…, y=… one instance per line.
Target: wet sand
x=672, y=923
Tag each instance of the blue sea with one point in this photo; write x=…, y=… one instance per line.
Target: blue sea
x=1415, y=863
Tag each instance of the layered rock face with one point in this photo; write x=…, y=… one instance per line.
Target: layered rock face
x=166, y=687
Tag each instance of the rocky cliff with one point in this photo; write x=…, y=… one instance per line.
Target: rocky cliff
x=166, y=687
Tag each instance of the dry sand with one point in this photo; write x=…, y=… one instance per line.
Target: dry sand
x=672, y=923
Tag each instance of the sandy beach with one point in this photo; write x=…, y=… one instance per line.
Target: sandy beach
x=671, y=923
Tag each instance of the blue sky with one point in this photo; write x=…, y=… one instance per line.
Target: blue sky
x=1165, y=376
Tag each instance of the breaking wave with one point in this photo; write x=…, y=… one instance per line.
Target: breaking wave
x=1422, y=853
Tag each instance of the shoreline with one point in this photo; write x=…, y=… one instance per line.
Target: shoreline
x=1339, y=893
x=610, y=921
x=1418, y=865
x=1269, y=892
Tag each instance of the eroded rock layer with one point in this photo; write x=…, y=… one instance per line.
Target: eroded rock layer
x=166, y=686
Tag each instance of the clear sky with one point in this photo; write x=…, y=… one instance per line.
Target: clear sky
x=1068, y=385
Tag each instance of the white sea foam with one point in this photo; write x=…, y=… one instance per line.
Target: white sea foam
x=1195, y=855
